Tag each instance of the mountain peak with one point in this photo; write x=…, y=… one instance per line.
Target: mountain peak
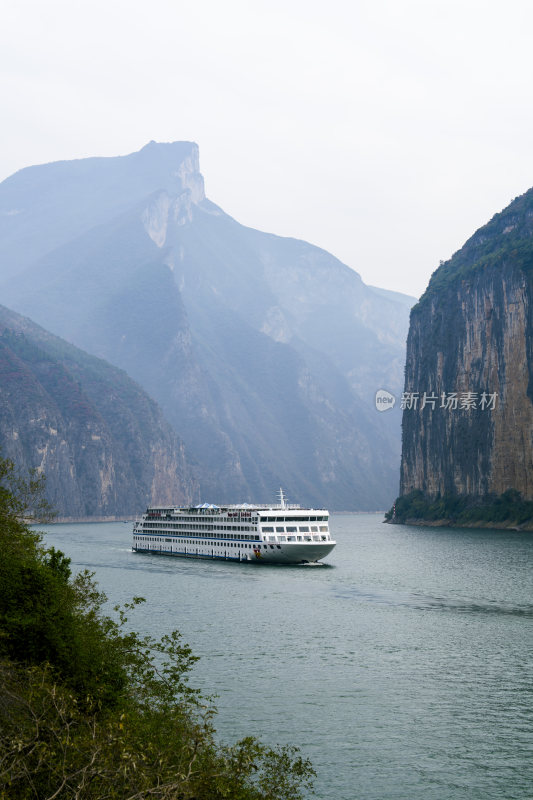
x=182, y=160
x=90, y=191
x=168, y=149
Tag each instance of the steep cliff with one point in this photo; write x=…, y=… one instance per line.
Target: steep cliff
x=263, y=352
x=103, y=444
x=468, y=411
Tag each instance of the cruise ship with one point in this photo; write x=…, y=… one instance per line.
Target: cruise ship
x=277, y=534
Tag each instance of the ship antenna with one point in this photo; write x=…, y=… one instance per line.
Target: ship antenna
x=281, y=498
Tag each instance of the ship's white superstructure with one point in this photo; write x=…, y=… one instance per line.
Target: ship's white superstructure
x=281, y=534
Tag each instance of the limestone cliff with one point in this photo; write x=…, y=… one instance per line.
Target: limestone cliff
x=467, y=427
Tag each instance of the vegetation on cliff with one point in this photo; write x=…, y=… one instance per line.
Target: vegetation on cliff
x=505, y=510
x=506, y=239
x=90, y=709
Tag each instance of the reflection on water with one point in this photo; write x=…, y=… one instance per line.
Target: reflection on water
x=461, y=605
x=404, y=669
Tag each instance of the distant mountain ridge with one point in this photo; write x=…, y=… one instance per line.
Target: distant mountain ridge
x=45, y=206
x=264, y=353
x=102, y=443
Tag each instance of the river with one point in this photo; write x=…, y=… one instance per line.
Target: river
x=403, y=668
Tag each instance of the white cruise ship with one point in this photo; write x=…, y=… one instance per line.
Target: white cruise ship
x=279, y=534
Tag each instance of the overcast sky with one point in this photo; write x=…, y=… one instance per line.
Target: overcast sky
x=384, y=131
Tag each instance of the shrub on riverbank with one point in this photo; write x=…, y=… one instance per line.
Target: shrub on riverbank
x=507, y=509
x=91, y=710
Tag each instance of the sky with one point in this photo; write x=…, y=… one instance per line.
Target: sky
x=385, y=132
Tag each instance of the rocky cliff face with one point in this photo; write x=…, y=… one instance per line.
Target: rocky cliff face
x=102, y=443
x=263, y=352
x=468, y=417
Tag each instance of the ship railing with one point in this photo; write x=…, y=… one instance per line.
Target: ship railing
x=267, y=507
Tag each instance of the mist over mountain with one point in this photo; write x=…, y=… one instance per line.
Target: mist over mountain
x=102, y=443
x=264, y=352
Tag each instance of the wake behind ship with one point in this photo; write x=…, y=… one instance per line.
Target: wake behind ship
x=279, y=534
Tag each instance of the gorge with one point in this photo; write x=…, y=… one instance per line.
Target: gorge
x=264, y=353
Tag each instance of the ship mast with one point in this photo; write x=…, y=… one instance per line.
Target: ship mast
x=281, y=498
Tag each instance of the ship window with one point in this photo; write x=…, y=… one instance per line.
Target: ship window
x=283, y=538
x=299, y=538
x=280, y=530
x=323, y=528
x=271, y=538
x=268, y=530
x=314, y=528
x=304, y=528
x=291, y=538
x=291, y=529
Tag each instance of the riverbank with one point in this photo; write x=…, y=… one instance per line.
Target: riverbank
x=508, y=511
x=509, y=525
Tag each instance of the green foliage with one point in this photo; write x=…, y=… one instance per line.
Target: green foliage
x=21, y=497
x=507, y=509
x=506, y=240
x=90, y=709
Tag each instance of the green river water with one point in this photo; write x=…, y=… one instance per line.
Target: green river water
x=403, y=668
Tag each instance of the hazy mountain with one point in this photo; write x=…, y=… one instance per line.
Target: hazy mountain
x=102, y=442
x=264, y=352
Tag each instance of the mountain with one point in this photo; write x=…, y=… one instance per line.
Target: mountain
x=263, y=352
x=470, y=457
x=103, y=444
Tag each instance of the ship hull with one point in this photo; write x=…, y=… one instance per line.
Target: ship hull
x=271, y=554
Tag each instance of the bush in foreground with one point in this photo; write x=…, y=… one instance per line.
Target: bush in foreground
x=91, y=710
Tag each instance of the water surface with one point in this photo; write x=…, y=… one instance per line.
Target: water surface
x=403, y=668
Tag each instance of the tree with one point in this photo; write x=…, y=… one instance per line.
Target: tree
x=90, y=710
